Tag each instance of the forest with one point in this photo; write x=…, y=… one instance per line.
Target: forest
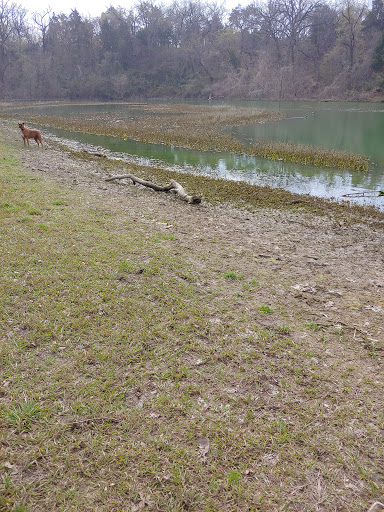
x=276, y=49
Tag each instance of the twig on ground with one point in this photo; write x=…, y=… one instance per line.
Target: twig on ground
x=376, y=507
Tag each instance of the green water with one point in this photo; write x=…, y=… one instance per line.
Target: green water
x=356, y=127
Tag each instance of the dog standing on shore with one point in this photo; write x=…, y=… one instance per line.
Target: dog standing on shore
x=27, y=134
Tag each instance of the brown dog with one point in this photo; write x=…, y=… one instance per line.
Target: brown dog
x=27, y=134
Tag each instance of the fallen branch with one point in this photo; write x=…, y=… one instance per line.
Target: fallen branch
x=173, y=186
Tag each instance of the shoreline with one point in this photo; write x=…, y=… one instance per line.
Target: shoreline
x=218, y=190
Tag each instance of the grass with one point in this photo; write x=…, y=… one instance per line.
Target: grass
x=230, y=274
x=119, y=351
x=201, y=128
x=22, y=415
x=266, y=309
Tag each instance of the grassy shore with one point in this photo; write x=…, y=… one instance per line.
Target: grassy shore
x=146, y=366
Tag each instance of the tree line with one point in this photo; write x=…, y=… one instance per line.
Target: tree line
x=278, y=49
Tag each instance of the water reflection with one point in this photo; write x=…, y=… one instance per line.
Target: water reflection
x=326, y=183
x=356, y=127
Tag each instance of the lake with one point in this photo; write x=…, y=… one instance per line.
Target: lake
x=356, y=127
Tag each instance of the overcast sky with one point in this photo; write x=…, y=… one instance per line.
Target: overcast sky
x=94, y=7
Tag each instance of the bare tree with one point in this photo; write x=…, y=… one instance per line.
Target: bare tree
x=42, y=20
x=247, y=21
x=352, y=14
x=288, y=22
x=12, y=28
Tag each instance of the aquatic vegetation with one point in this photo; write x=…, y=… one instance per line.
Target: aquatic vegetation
x=309, y=155
x=200, y=127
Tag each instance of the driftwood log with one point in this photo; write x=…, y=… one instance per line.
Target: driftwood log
x=173, y=186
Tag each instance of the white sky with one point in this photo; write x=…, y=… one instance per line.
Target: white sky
x=95, y=7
